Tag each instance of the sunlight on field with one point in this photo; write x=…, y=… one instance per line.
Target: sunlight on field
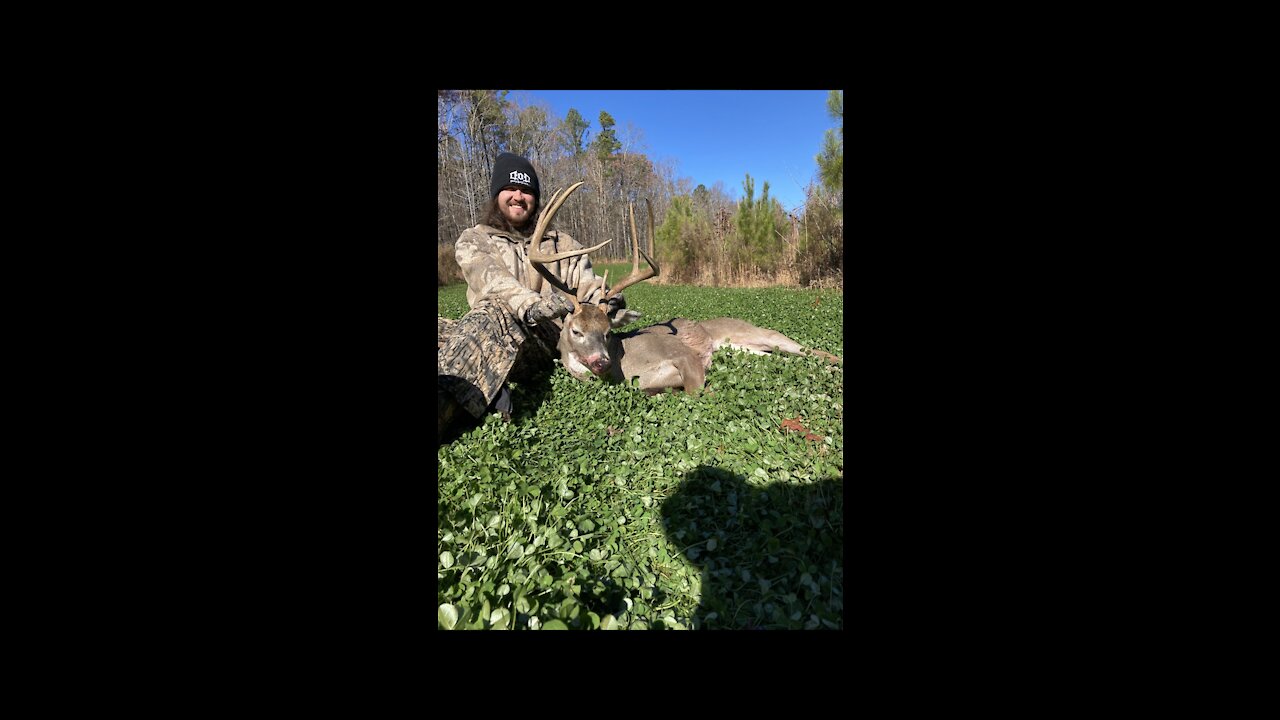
x=601, y=507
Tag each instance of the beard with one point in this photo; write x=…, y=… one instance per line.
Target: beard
x=497, y=218
x=517, y=213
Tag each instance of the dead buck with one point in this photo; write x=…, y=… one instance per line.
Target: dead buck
x=674, y=354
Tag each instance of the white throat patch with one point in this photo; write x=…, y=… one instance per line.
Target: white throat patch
x=575, y=367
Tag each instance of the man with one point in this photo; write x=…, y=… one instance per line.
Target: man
x=511, y=330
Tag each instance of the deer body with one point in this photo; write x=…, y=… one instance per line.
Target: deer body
x=670, y=355
x=674, y=354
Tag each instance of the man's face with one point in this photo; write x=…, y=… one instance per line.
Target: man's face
x=516, y=205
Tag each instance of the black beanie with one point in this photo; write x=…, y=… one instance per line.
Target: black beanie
x=511, y=169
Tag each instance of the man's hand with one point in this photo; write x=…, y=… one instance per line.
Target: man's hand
x=615, y=303
x=551, y=306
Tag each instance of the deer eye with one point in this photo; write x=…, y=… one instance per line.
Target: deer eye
x=575, y=332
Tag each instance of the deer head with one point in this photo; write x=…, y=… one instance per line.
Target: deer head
x=584, y=338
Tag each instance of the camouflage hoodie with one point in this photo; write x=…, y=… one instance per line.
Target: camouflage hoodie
x=494, y=263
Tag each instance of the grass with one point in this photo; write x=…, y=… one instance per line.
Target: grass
x=601, y=507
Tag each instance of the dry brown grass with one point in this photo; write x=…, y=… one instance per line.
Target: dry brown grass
x=730, y=275
x=719, y=271
x=447, y=265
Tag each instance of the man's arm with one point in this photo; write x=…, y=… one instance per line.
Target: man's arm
x=580, y=272
x=487, y=274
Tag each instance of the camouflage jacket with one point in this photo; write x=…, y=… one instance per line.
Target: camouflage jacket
x=495, y=264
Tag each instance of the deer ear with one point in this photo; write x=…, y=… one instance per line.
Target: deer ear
x=623, y=317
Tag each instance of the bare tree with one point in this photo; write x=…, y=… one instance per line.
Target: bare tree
x=474, y=126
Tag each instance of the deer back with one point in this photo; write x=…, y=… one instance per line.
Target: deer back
x=688, y=332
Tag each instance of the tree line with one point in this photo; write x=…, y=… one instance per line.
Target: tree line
x=703, y=235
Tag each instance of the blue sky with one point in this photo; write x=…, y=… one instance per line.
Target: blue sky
x=714, y=135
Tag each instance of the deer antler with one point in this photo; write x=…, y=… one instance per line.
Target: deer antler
x=537, y=259
x=636, y=275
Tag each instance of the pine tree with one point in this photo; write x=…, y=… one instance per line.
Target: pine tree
x=702, y=199
x=574, y=131
x=831, y=159
x=822, y=230
x=606, y=142
x=759, y=241
x=684, y=239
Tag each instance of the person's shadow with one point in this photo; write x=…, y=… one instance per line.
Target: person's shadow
x=770, y=556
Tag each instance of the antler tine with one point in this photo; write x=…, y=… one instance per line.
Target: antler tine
x=553, y=205
x=586, y=290
x=535, y=244
x=637, y=276
x=537, y=258
x=599, y=282
x=557, y=283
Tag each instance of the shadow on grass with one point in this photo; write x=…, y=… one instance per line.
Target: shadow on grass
x=771, y=556
x=528, y=393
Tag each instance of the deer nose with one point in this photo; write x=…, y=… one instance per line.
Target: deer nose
x=598, y=363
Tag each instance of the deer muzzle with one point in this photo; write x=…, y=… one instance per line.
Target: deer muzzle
x=598, y=363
